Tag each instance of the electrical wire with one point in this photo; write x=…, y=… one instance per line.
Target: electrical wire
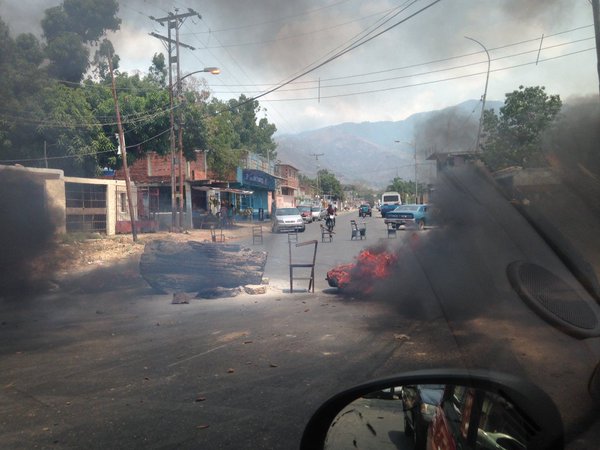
x=84, y=154
x=339, y=54
x=425, y=63
x=429, y=72
x=432, y=81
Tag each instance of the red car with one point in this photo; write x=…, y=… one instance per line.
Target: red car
x=305, y=212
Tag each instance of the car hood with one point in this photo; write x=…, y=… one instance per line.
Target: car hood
x=290, y=217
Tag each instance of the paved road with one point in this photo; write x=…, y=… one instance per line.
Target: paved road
x=104, y=362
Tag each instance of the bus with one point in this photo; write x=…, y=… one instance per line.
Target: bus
x=389, y=202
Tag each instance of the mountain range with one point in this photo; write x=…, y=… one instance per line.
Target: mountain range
x=373, y=153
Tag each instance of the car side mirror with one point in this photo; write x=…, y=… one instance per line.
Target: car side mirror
x=464, y=408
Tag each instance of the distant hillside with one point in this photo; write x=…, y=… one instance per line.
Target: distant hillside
x=368, y=152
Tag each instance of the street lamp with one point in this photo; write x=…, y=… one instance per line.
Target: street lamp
x=214, y=71
x=487, y=77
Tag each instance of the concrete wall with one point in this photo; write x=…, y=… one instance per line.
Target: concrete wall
x=115, y=210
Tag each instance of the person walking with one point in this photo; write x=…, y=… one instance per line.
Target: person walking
x=223, y=214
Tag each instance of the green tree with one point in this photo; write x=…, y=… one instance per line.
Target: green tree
x=513, y=138
x=69, y=28
x=158, y=70
x=254, y=135
x=405, y=188
x=330, y=185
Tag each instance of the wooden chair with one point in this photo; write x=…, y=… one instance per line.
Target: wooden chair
x=257, y=234
x=391, y=231
x=214, y=237
x=303, y=265
x=326, y=234
x=358, y=232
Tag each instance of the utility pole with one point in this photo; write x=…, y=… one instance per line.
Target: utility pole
x=487, y=79
x=316, y=155
x=174, y=21
x=416, y=183
x=596, y=12
x=123, y=150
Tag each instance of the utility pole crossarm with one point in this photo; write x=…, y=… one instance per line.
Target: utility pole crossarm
x=178, y=16
x=171, y=41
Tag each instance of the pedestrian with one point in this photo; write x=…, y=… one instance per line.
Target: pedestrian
x=223, y=214
x=230, y=214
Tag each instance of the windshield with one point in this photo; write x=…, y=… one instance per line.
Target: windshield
x=408, y=208
x=170, y=276
x=287, y=212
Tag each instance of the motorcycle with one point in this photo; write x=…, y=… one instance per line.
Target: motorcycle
x=330, y=222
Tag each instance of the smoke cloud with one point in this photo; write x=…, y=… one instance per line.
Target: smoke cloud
x=27, y=231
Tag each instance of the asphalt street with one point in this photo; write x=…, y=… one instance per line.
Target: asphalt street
x=104, y=362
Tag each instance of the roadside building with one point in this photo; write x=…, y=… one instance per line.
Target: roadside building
x=288, y=185
x=69, y=204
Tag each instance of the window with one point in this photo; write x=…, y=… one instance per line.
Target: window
x=123, y=196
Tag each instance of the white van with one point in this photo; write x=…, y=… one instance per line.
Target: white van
x=389, y=202
x=391, y=198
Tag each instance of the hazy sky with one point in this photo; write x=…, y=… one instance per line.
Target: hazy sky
x=260, y=43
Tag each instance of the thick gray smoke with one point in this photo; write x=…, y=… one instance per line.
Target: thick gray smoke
x=451, y=130
x=26, y=233
x=575, y=136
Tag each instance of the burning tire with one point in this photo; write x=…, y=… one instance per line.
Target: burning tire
x=358, y=277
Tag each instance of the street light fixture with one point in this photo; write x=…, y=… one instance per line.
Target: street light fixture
x=487, y=77
x=212, y=70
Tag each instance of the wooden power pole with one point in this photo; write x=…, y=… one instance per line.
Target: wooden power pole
x=174, y=22
x=123, y=150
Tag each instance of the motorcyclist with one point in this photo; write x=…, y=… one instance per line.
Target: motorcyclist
x=330, y=217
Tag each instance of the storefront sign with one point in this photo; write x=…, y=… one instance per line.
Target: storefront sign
x=258, y=179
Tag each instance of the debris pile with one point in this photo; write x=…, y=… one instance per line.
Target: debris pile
x=210, y=269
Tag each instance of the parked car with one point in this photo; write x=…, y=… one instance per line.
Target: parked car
x=306, y=213
x=417, y=216
x=317, y=213
x=287, y=219
x=419, y=403
x=365, y=210
x=499, y=425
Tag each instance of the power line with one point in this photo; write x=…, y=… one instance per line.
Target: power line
x=432, y=81
x=294, y=36
x=56, y=157
x=278, y=19
x=435, y=61
x=343, y=52
x=85, y=154
x=429, y=72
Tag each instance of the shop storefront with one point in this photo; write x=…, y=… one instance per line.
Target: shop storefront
x=262, y=186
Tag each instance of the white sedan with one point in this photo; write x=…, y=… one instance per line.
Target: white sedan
x=287, y=219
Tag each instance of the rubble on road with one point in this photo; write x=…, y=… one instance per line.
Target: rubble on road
x=211, y=269
x=255, y=289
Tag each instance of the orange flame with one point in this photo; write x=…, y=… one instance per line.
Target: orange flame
x=370, y=265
